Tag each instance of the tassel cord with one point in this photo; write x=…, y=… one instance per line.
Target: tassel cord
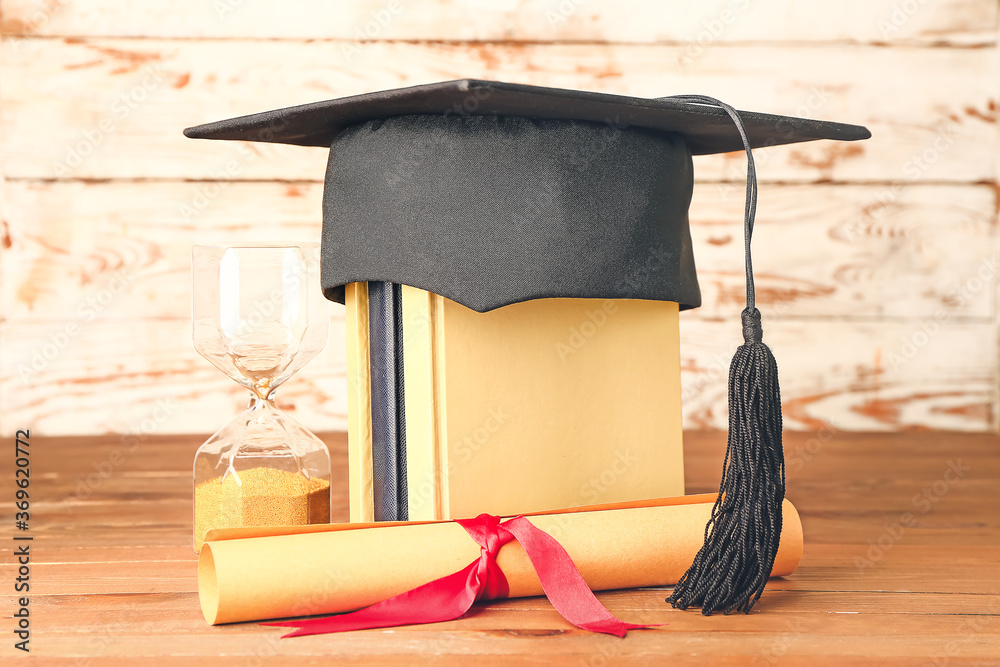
x=750, y=208
x=741, y=539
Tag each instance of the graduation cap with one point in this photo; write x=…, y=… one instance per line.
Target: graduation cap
x=493, y=193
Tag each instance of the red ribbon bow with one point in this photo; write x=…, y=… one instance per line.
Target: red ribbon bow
x=451, y=596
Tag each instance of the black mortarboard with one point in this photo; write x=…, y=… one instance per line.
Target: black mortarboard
x=493, y=193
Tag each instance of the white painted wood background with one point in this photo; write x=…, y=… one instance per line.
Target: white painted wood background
x=877, y=261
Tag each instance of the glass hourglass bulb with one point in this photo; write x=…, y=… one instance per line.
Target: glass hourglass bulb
x=259, y=316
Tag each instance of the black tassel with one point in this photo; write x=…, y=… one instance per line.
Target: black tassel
x=741, y=538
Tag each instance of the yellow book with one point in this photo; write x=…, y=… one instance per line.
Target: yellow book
x=537, y=405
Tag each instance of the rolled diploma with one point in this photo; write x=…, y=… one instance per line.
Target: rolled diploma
x=342, y=567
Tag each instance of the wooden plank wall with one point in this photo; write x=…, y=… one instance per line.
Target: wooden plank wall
x=877, y=262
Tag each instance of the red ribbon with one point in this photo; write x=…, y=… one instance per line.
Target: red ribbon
x=450, y=597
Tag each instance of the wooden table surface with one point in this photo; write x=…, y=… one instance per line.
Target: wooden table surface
x=901, y=567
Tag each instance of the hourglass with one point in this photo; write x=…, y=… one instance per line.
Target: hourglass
x=259, y=316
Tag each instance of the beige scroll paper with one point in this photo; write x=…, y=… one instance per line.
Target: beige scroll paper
x=250, y=574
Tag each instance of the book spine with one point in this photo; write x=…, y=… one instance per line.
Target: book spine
x=387, y=401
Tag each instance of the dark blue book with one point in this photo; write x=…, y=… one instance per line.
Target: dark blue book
x=385, y=321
